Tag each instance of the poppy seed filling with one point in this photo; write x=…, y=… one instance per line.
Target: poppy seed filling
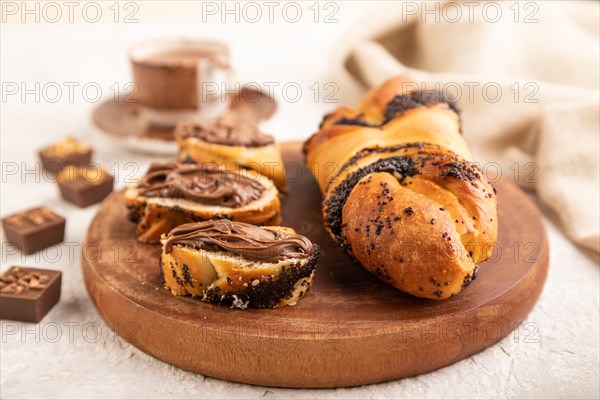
x=401, y=104
x=400, y=165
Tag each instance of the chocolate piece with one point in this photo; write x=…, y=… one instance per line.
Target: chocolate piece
x=27, y=294
x=204, y=183
x=85, y=186
x=66, y=152
x=225, y=132
x=35, y=229
x=249, y=241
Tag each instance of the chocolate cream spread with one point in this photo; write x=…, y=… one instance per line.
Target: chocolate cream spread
x=249, y=241
x=225, y=132
x=203, y=183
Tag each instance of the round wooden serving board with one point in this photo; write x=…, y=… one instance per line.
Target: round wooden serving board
x=350, y=329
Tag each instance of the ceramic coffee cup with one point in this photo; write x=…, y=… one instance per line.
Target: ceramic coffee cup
x=180, y=79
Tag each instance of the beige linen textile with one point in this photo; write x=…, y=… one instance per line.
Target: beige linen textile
x=526, y=78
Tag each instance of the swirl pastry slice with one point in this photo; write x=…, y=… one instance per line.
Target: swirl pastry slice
x=400, y=192
x=171, y=194
x=237, y=264
x=231, y=145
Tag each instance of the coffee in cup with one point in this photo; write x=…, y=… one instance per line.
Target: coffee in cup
x=172, y=77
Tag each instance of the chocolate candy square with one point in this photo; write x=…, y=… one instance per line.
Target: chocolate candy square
x=27, y=294
x=35, y=229
x=66, y=152
x=85, y=186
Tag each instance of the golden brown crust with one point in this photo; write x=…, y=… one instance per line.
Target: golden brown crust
x=435, y=172
x=436, y=124
x=400, y=192
x=410, y=230
x=371, y=107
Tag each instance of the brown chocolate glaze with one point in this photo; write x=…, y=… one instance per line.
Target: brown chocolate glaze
x=225, y=132
x=250, y=241
x=203, y=183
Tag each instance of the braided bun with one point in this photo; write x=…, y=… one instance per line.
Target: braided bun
x=401, y=194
